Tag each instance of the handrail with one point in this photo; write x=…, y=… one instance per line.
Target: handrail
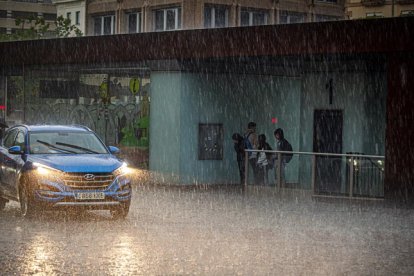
x=318, y=153
x=351, y=177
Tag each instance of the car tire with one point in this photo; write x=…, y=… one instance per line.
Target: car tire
x=120, y=212
x=27, y=207
x=3, y=203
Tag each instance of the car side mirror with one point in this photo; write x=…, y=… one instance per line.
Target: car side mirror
x=114, y=150
x=15, y=150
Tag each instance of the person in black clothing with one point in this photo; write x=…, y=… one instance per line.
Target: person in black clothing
x=239, y=148
x=282, y=145
x=263, y=159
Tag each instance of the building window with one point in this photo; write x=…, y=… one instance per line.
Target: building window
x=167, y=19
x=288, y=17
x=77, y=18
x=374, y=15
x=134, y=23
x=407, y=13
x=104, y=25
x=253, y=18
x=216, y=16
x=324, y=18
x=69, y=15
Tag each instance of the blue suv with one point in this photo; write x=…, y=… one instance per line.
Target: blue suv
x=48, y=167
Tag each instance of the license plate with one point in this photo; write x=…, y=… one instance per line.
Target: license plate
x=87, y=196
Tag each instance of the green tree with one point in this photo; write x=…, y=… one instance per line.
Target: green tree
x=37, y=28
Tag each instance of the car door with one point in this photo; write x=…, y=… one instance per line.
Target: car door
x=5, y=160
x=13, y=163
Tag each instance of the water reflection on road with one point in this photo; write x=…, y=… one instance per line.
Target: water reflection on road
x=214, y=232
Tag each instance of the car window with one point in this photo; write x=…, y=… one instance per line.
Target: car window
x=19, y=141
x=65, y=142
x=9, y=138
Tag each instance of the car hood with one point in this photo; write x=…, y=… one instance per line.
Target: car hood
x=79, y=163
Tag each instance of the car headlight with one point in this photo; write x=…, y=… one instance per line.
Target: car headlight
x=123, y=170
x=44, y=170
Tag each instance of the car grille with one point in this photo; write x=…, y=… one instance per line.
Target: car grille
x=80, y=181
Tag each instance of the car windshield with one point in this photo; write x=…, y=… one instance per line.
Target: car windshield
x=65, y=143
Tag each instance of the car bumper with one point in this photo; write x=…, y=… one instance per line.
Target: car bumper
x=55, y=194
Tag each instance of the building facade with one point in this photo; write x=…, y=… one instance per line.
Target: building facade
x=359, y=9
x=73, y=10
x=127, y=16
x=11, y=10
x=180, y=105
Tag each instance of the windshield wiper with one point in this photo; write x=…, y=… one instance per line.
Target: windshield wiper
x=76, y=147
x=53, y=147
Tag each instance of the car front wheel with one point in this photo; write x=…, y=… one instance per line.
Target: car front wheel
x=27, y=207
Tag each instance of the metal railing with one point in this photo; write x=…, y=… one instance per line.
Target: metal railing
x=326, y=174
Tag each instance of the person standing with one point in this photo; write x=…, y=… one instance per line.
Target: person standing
x=250, y=140
x=282, y=145
x=239, y=148
x=263, y=159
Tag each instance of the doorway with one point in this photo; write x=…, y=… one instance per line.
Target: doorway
x=327, y=138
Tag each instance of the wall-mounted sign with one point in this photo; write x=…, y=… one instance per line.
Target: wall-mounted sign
x=210, y=142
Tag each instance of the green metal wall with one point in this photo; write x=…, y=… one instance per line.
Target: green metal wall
x=181, y=101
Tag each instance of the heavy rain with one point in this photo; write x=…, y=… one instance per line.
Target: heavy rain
x=206, y=137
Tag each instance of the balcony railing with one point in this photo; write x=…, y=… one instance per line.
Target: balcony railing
x=373, y=3
x=326, y=174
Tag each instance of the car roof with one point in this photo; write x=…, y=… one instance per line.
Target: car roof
x=46, y=128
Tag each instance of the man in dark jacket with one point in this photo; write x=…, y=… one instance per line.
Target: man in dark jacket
x=239, y=148
x=282, y=145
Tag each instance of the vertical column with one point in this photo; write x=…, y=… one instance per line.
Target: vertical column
x=399, y=163
x=233, y=15
x=272, y=19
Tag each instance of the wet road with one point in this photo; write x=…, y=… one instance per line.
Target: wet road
x=213, y=232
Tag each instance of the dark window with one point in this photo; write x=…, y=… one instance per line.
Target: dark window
x=77, y=22
x=168, y=19
x=107, y=25
x=97, y=25
x=134, y=22
x=288, y=17
x=104, y=25
x=215, y=16
x=3, y=14
x=25, y=15
x=253, y=17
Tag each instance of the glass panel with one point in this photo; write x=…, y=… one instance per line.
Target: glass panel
x=220, y=17
x=207, y=17
x=259, y=18
x=171, y=16
x=291, y=17
x=107, y=25
x=245, y=18
x=77, y=18
x=132, y=23
x=159, y=20
x=98, y=25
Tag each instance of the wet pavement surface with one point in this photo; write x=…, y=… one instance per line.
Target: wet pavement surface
x=220, y=231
